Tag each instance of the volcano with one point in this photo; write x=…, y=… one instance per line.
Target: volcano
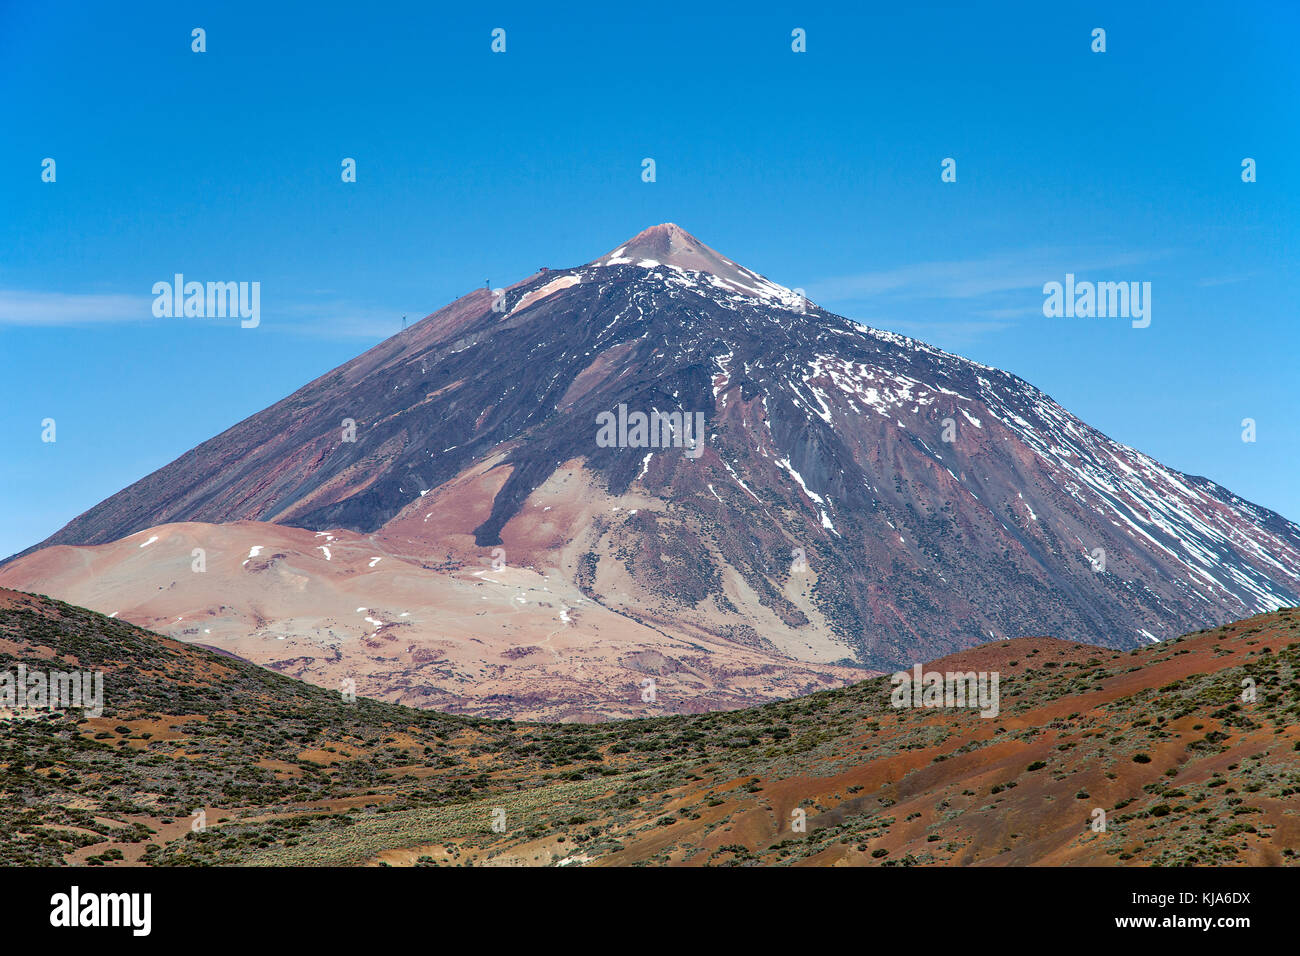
x=857, y=499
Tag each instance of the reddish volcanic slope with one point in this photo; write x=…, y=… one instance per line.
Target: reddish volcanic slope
x=1179, y=753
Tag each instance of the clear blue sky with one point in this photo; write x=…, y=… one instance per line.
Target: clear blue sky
x=820, y=170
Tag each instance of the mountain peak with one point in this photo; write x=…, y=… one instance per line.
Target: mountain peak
x=668, y=244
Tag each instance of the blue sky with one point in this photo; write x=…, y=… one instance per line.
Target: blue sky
x=821, y=170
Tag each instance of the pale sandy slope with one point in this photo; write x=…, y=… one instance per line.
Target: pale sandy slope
x=417, y=614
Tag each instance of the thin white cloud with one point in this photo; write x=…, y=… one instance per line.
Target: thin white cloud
x=71, y=308
x=1213, y=281
x=336, y=320
x=954, y=303
x=963, y=279
x=325, y=320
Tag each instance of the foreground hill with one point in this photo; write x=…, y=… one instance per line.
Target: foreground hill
x=857, y=498
x=1158, y=738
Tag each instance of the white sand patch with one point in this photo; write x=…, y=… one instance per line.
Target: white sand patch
x=555, y=285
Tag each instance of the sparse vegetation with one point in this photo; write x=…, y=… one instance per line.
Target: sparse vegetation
x=289, y=773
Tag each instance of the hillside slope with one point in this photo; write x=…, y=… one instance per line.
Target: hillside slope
x=1157, y=738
